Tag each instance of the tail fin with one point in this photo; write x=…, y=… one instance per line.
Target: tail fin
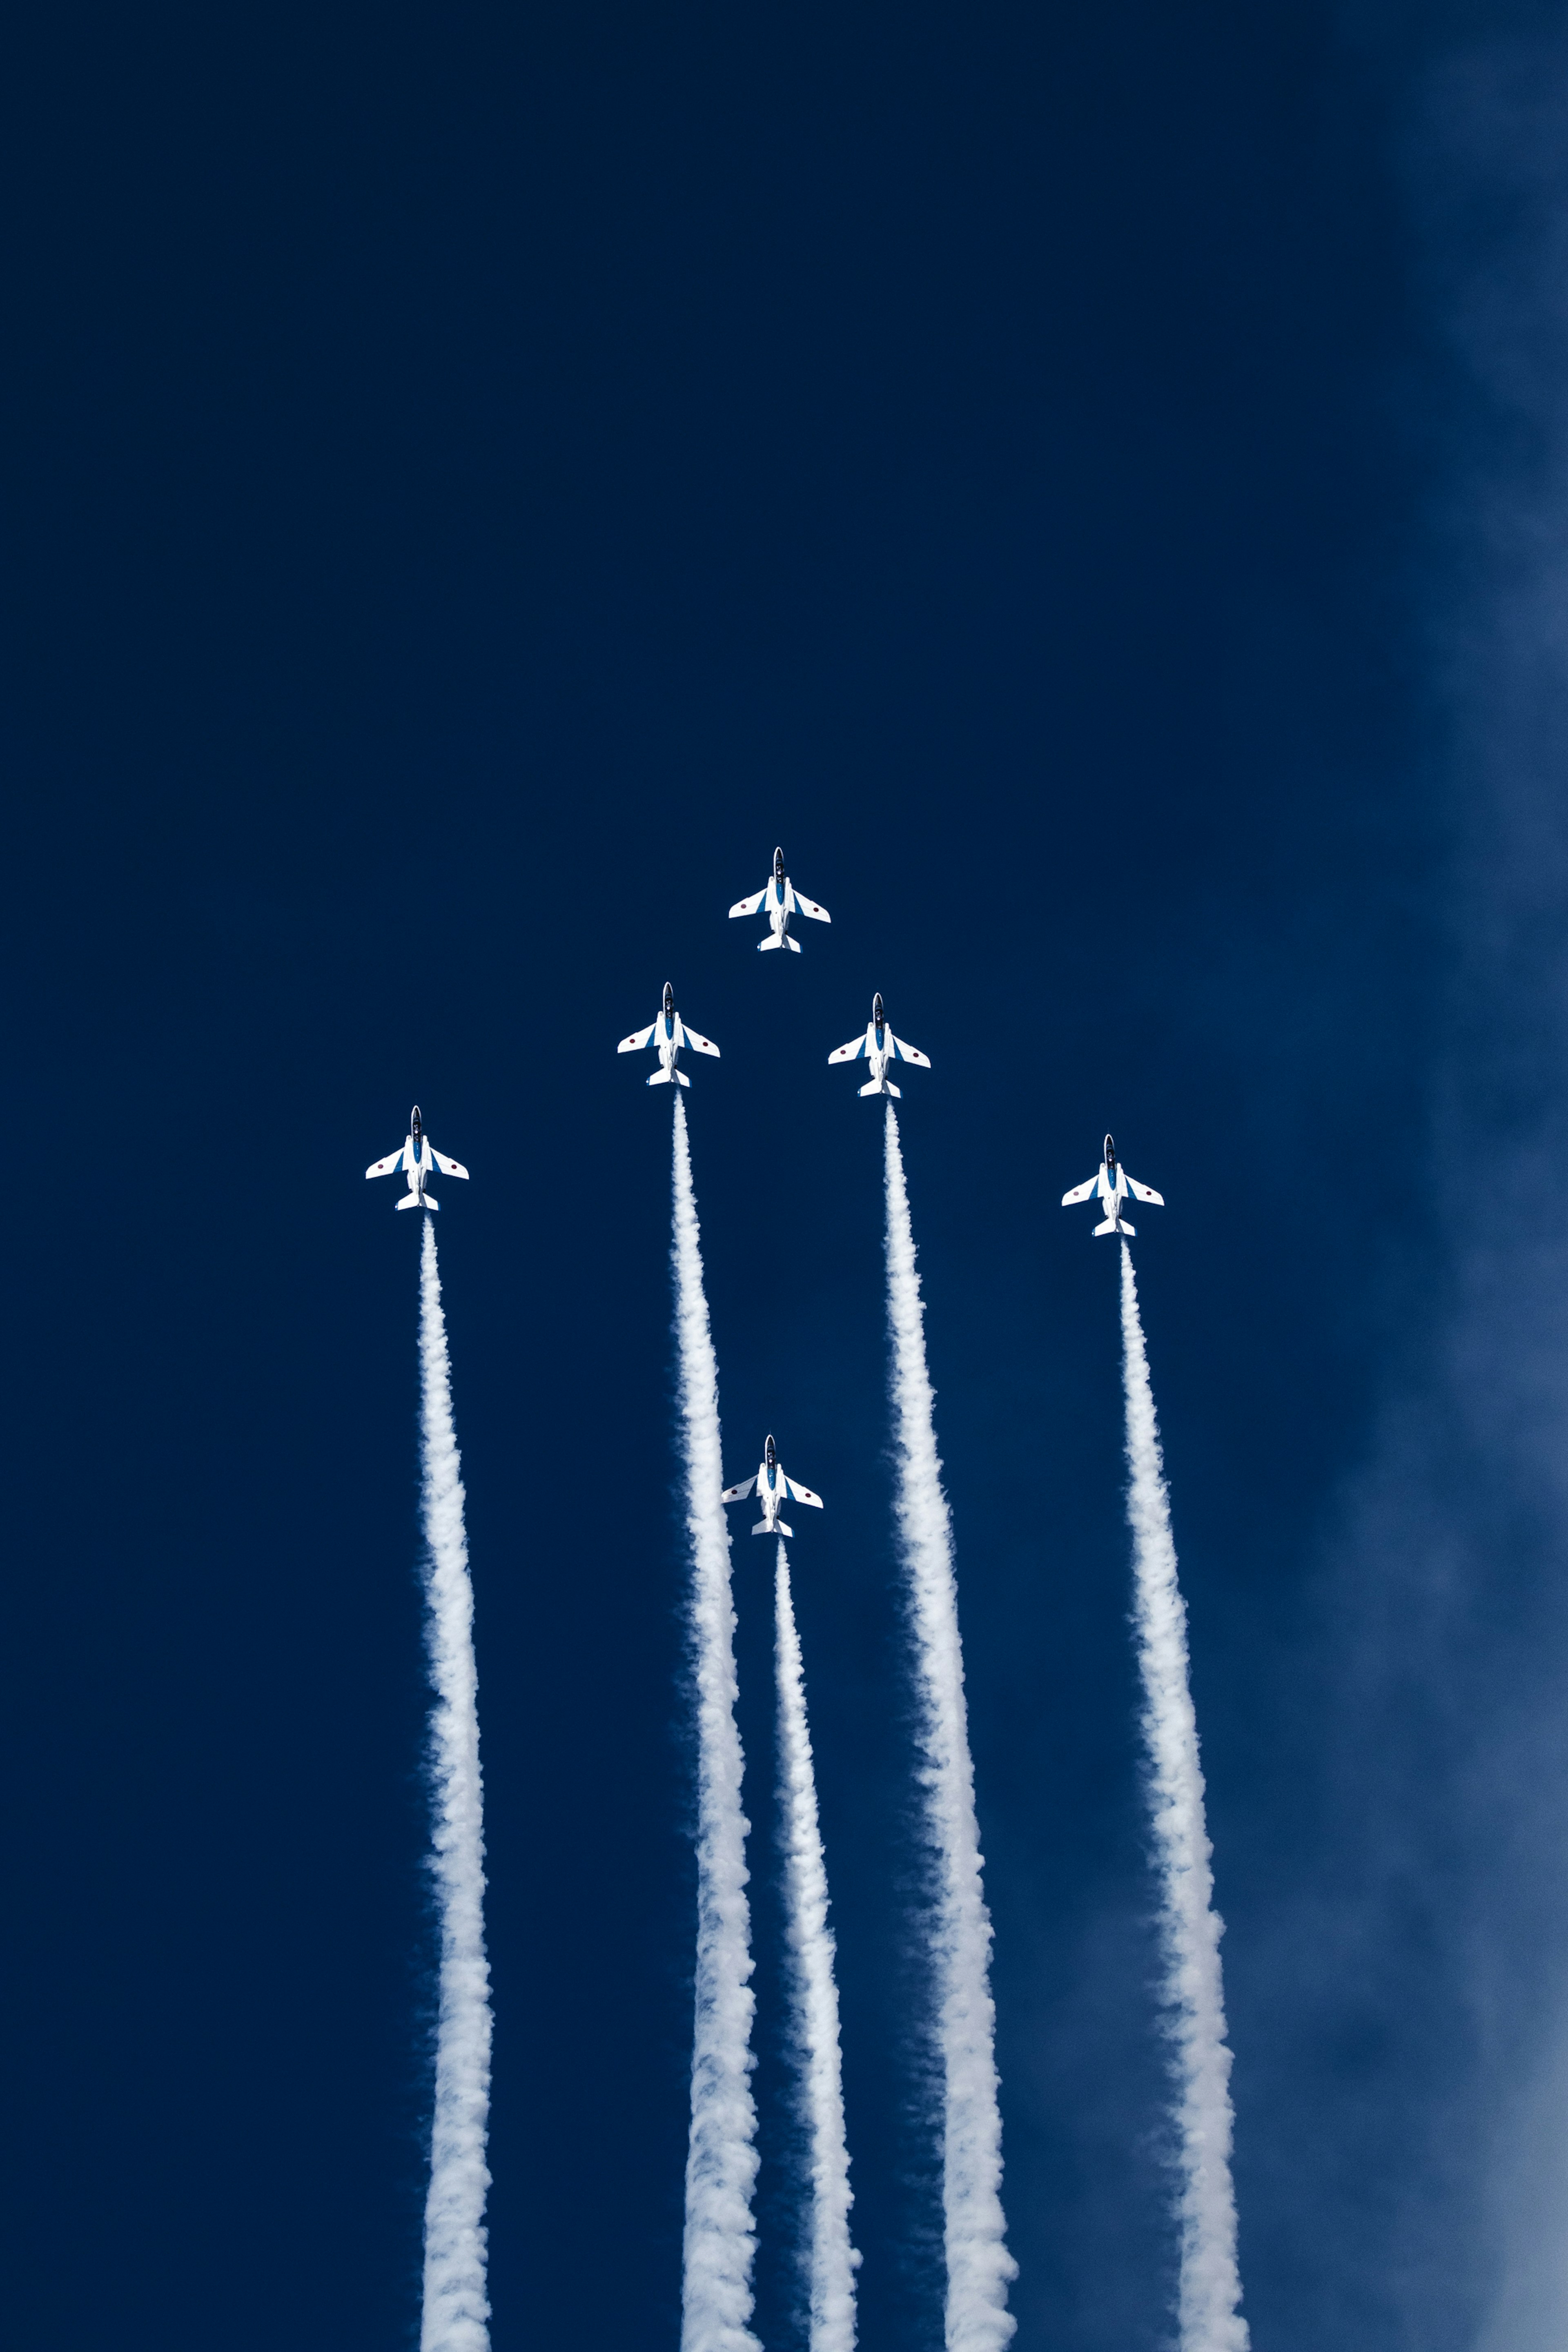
x=773, y=941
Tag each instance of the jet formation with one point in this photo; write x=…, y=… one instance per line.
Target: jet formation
x=419, y=1160
x=879, y=1047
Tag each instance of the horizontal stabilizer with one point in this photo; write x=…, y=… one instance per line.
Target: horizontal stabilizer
x=1113, y=1225
x=660, y=1078
x=793, y=945
x=773, y=941
x=872, y=1086
x=681, y=1079
x=409, y=1200
x=778, y=1528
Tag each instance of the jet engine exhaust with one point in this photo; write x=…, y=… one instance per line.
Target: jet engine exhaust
x=1210, y=2295
x=721, y=2157
x=455, y=2311
x=814, y=1995
x=979, y=2267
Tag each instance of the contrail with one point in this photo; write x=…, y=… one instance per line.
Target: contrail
x=456, y=2307
x=1191, y=1927
x=834, y=2260
x=979, y=2267
x=721, y=2158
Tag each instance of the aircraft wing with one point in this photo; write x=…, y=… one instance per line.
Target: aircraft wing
x=637, y=1040
x=1144, y=1192
x=752, y=905
x=737, y=1493
x=910, y=1053
x=855, y=1047
x=702, y=1045
x=447, y=1167
x=386, y=1167
x=803, y=1494
x=1080, y=1192
x=809, y=906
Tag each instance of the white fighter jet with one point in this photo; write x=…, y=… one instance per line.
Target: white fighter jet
x=775, y=1489
x=1112, y=1184
x=668, y=1034
x=419, y=1159
x=784, y=900
x=880, y=1046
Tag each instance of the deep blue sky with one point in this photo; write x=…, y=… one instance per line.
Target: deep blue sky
x=472, y=481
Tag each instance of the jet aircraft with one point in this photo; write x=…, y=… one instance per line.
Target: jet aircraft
x=783, y=900
x=1112, y=1184
x=668, y=1034
x=880, y=1046
x=775, y=1489
x=419, y=1159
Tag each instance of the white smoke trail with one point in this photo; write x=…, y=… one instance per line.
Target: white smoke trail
x=457, y=2306
x=1190, y=1928
x=721, y=2158
x=834, y=2260
x=979, y=2267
